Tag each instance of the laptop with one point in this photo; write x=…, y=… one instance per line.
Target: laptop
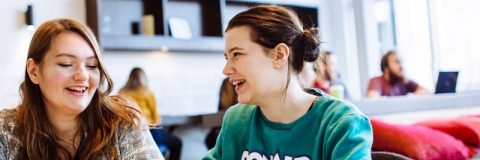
x=447, y=82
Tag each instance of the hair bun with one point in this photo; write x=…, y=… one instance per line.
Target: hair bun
x=310, y=44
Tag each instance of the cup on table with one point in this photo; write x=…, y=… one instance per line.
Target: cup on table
x=337, y=91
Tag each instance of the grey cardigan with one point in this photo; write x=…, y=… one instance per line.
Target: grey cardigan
x=143, y=147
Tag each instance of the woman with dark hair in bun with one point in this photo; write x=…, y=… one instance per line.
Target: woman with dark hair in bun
x=266, y=48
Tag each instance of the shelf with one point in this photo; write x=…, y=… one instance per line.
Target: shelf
x=308, y=14
x=155, y=8
x=203, y=16
x=112, y=22
x=206, y=44
x=244, y=4
x=297, y=3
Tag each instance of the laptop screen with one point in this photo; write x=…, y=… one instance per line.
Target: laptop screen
x=447, y=82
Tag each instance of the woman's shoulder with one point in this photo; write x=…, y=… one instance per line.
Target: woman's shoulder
x=127, y=107
x=239, y=111
x=329, y=105
x=344, y=107
x=8, y=116
x=122, y=100
x=346, y=115
x=148, y=92
x=135, y=143
x=7, y=121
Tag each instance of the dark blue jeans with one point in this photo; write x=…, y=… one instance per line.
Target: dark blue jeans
x=173, y=143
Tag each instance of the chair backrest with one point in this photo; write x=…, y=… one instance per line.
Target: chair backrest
x=379, y=155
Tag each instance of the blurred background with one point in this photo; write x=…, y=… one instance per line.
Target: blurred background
x=185, y=72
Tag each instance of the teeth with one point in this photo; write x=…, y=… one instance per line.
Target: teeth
x=79, y=89
x=238, y=82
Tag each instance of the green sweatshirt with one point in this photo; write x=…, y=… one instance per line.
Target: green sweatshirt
x=332, y=129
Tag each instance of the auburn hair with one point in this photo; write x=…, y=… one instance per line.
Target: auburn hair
x=97, y=124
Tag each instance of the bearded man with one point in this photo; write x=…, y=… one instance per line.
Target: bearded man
x=393, y=81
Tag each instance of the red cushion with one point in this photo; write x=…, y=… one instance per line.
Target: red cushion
x=466, y=129
x=418, y=142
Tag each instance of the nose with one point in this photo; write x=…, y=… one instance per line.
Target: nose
x=81, y=74
x=228, y=69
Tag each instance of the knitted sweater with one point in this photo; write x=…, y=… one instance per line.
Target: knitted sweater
x=143, y=147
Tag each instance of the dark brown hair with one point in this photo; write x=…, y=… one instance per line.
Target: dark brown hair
x=228, y=96
x=96, y=124
x=272, y=25
x=136, y=79
x=384, y=61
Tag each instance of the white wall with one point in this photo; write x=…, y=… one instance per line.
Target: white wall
x=183, y=83
x=15, y=39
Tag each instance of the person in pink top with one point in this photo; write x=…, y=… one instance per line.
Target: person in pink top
x=393, y=81
x=329, y=76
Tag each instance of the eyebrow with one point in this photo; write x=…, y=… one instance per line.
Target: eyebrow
x=72, y=56
x=232, y=49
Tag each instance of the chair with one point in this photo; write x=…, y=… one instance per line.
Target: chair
x=157, y=135
x=380, y=155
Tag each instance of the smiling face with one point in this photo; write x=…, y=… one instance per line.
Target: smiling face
x=250, y=69
x=68, y=76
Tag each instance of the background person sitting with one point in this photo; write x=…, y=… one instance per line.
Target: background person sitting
x=393, y=81
x=330, y=76
x=228, y=98
x=137, y=89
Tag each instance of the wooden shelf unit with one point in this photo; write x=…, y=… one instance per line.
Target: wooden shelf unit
x=111, y=21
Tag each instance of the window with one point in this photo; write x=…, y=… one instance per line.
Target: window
x=385, y=25
x=456, y=39
x=439, y=35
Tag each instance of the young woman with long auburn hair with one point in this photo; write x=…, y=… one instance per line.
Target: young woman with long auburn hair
x=66, y=111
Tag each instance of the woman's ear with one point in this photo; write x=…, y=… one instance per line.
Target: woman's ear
x=281, y=55
x=32, y=70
